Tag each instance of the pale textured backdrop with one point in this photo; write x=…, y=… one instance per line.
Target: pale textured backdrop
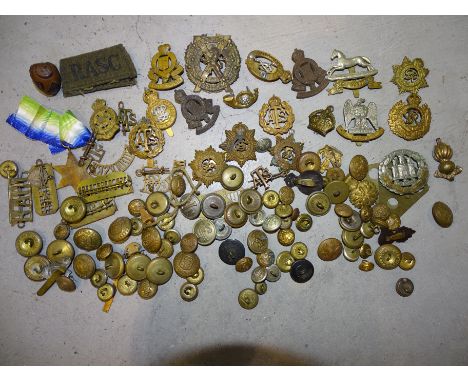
x=342, y=316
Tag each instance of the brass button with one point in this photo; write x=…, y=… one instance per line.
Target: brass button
x=62, y=231
x=295, y=214
x=299, y=250
x=366, y=266
x=213, y=206
x=191, y=206
x=286, y=195
x=65, y=283
x=99, y=278
x=283, y=210
x=343, y=210
x=127, y=286
x=380, y=214
x=232, y=178
x=186, y=264
x=84, y=266
x=197, y=278
x=329, y=249
x=337, y=191
x=188, y=292
x=73, y=209
x=257, y=218
x=261, y=288
x=284, y=260
x=309, y=161
x=104, y=251
x=352, y=239
x=365, y=251
x=271, y=224
x=28, y=243
x=244, y=264
x=387, y=256
x=166, y=250
x=266, y=259
x=442, y=214
x=132, y=249
x=136, y=266
x=178, y=185
x=119, y=230
x=173, y=236
x=151, y=239
x=106, y=292
x=189, y=243
x=157, y=203
x=366, y=213
x=166, y=224
x=248, y=298
x=286, y=223
x=270, y=199
x=407, y=261
x=257, y=241
x=358, y=167
x=8, y=169
x=304, y=222
x=273, y=273
x=147, y=289
x=404, y=287
x=235, y=216
x=259, y=274
x=353, y=223
x=368, y=230
x=87, y=239
x=393, y=221
x=286, y=237
x=114, y=265
x=135, y=206
x=318, y=203
x=205, y=231
x=351, y=254
x=137, y=226
x=250, y=201
x=36, y=268
x=159, y=271
x=335, y=173
x=60, y=252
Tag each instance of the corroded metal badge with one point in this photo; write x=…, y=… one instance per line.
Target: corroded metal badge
x=308, y=78
x=322, y=121
x=208, y=166
x=165, y=72
x=240, y=144
x=410, y=75
x=265, y=67
x=145, y=141
x=276, y=117
x=242, y=100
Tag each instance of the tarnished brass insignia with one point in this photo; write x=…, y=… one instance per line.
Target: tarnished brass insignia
x=410, y=75
x=276, y=117
x=307, y=74
x=330, y=157
x=44, y=191
x=240, y=144
x=242, y=100
x=265, y=67
x=145, y=141
x=161, y=112
x=208, y=166
x=286, y=153
x=447, y=168
x=165, y=72
x=322, y=121
x=103, y=121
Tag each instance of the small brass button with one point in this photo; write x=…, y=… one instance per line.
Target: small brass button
x=257, y=241
x=261, y=288
x=283, y=210
x=186, y=264
x=166, y=224
x=135, y=206
x=137, y=226
x=235, y=216
x=309, y=161
x=197, y=278
x=270, y=199
x=87, y=239
x=337, y=191
x=28, y=243
x=65, y=283
x=404, y=287
x=99, y=278
x=259, y=274
x=329, y=249
x=271, y=224
x=178, y=185
x=127, y=286
x=351, y=254
x=343, y=210
x=366, y=266
x=213, y=206
x=84, y=266
x=352, y=239
x=286, y=237
x=250, y=201
x=36, y=268
x=104, y=251
x=318, y=203
x=266, y=259
x=136, y=266
x=368, y=230
x=393, y=221
x=8, y=169
x=335, y=173
x=286, y=223
x=205, y=231
x=73, y=209
x=173, y=236
x=286, y=195
x=232, y=178
x=299, y=250
x=407, y=261
x=189, y=243
x=295, y=214
x=191, y=206
x=132, y=249
x=284, y=260
x=114, y=265
x=231, y=251
x=62, y=231
x=248, y=298
x=119, y=230
x=358, y=167
x=106, y=292
x=244, y=264
x=257, y=218
x=301, y=271
x=188, y=292
x=166, y=250
x=380, y=213
x=387, y=256
x=60, y=252
x=223, y=230
x=151, y=239
x=159, y=271
x=353, y=223
x=147, y=289
x=365, y=251
x=442, y=214
x=304, y=222
x=366, y=213
x=273, y=273
x=157, y=203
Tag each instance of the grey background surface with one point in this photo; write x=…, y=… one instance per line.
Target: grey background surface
x=342, y=316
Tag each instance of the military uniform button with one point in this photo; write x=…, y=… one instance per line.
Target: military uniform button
x=366, y=213
x=407, y=261
x=28, y=243
x=335, y=174
x=36, y=268
x=257, y=218
x=189, y=243
x=166, y=224
x=351, y=254
x=284, y=261
x=318, y=203
x=404, y=287
x=131, y=249
x=190, y=206
x=205, y=231
x=271, y=224
x=270, y=199
x=261, y=288
x=178, y=185
x=106, y=292
x=301, y=271
x=197, y=278
x=365, y=251
x=286, y=237
x=231, y=251
x=99, y=278
x=235, y=216
x=157, y=203
x=213, y=206
x=147, y=289
x=248, y=298
x=136, y=266
x=8, y=169
x=137, y=226
x=393, y=221
x=286, y=195
x=263, y=145
x=366, y=266
x=299, y=250
x=65, y=283
x=60, y=252
x=87, y=239
x=380, y=214
x=173, y=236
x=352, y=239
x=442, y=214
x=119, y=230
x=232, y=178
x=135, y=206
x=309, y=161
x=286, y=223
x=273, y=273
x=250, y=201
x=387, y=256
x=126, y=285
x=257, y=241
x=244, y=264
x=283, y=210
x=166, y=250
x=223, y=230
x=337, y=191
x=353, y=223
x=329, y=249
x=73, y=209
x=358, y=167
x=186, y=264
x=266, y=259
x=114, y=265
x=368, y=230
x=84, y=266
x=343, y=210
x=159, y=271
x=151, y=239
x=62, y=231
x=259, y=274
x=188, y=292
x=304, y=222
x=104, y=251
x=295, y=214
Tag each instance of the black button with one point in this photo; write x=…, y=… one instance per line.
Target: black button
x=301, y=271
x=231, y=251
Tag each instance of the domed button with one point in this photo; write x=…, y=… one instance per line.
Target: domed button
x=318, y=203
x=343, y=210
x=261, y=288
x=387, y=256
x=159, y=271
x=286, y=237
x=231, y=251
x=84, y=266
x=299, y=250
x=157, y=203
x=358, y=167
x=166, y=250
x=186, y=264
x=104, y=251
x=271, y=224
x=151, y=239
x=301, y=271
x=213, y=206
x=352, y=239
x=65, y=283
x=190, y=206
x=366, y=266
x=126, y=285
x=8, y=169
x=178, y=185
x=351, y=254
x=60, y=252
x=189, y=243
x=273, y=273
x=87, y=239
x=337, y=191
x=73, y=209
x=197, y=278
x=173, y=236
x=106, y=292
x=248, y=298
x=232, y=178
x=36, y=268
x=137, y=226
x=62, y=231
x=329, y=249
x=259, y=274
x=28, y=243
x=119, y=230
x=250, y=201
x=304, y=222
x=407, y=261
x=266, y=259
x=283, y=210
x=135, y=206
x=136, y=266
x=284, y=261
x=442, y=214
x=244, y=264
x=404, y=287
x=114, y=265
x=353, y=223
x=257, y=218
x=309, y=161
x=99, y=278
x=286, y=195
x=147, y=289
x=270, y=199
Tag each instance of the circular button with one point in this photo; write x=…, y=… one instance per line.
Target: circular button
x=283, y=210
x=178, y=185
x=234, y=215
x=151, y=239
x=137, y=226
x=189, y=243
x=352, y=239
x=166, y=250
x=263, y=145
x=368, y=230
x=135, y=206
x=286, y=237
x=304, y=222
x=250, y=201
x=299, y=250
x=188, y=292
x=197, y=278
x=167, y=223
x=259, y=274
x=157, y=203
x=257, y=218
x=104, y=251
x=190, y=206
x=106, y=292
x=223, y=230
x=248, y=298
x=343, y=210
x=286, y=195
x=358, y=167
x=257, y=241
x=273, y=273
x=244, y=264
x=231, y=251
x=366, y=266
x=442, y=214
x=28, y=243
x=302, y=271
x=286, y=223
x=387, y=256
x=213, y=206
x=119, y=230
x=365, y=251
x=284, y=261
x=114, y=265
x=99, y=278
x=205, y=231
x=132, y=249
x=173, y=236
x=36, y=268
x=8, y=169
x=309, y=161
x=232, y=178
x=127, y=286
x=136, y=266
x=186, y=264
x=266, y=259
x=393, y=221
x=351, y=254
x=335, y=173
x=407, y=261
x=87, y=239
x=366, y=213
x=65, y=283
x=261, y=288
x=318, y=203
x=73, y=209
x=60, y=252
x=84, y=266
x=270, y=199
x=329, y=249
x=159, y=271
x=337, y=191
x=271, y=224
x=380, y=214
x=404, y=287
x=62, y=231
x=147, y=289
x=353, y=223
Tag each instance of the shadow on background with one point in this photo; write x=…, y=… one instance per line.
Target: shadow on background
x=237, y=355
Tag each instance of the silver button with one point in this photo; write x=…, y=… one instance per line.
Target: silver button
x=213, y=206
x=223, y=230
x=353, y=223
x=271, y=224
x=273, y=273
x=257, y=218
x=259, y=274
x=192, y=208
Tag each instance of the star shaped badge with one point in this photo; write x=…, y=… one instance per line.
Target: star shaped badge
x=72, y=173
